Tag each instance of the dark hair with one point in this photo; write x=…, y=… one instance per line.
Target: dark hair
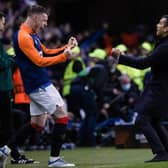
x=2, y=15
x=166, y=17
x=37, y=9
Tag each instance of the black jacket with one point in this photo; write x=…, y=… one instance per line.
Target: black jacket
x=154, y=98
x=93, y=79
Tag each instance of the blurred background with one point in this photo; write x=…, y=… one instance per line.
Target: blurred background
x=91, y=13
x=119, y=14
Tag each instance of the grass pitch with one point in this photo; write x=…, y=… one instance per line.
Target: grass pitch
x=104, y=157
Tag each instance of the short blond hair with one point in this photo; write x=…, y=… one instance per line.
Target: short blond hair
x=37, y=9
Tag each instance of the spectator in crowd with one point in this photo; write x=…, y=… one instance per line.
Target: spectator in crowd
x=119, y=103
x=125, y=97
x=96, y=55
x=145, y=48
x=134, y=74
x=73, y=67
x=152, y=106
x=44, y=98
x=85, y=94
x=21, y=100
x=85, y=89
x=6, y=87
x=99, y=57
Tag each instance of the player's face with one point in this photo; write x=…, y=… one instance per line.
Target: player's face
x=162, y=28
x=40, y=21
x=2, y=24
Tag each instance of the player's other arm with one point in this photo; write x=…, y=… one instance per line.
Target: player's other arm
x=72, y=42
x=48, y=51
x=26, y=44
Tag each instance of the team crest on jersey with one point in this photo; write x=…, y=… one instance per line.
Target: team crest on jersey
x=41, y=53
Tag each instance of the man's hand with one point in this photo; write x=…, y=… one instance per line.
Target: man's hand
x=68, y=52
x=72, y=42
x=112, y=62
x=115, y=52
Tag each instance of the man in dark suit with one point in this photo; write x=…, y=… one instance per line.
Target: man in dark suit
x=152, y=107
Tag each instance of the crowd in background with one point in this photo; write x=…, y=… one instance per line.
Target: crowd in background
x=113, y=100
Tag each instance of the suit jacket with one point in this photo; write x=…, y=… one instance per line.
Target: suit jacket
x=154, y=98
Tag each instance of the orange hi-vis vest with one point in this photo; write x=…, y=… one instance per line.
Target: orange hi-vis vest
x=20, y=97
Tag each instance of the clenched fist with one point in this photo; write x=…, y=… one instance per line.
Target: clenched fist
x=72, y=42
x=115, y=52
x=68, y=52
